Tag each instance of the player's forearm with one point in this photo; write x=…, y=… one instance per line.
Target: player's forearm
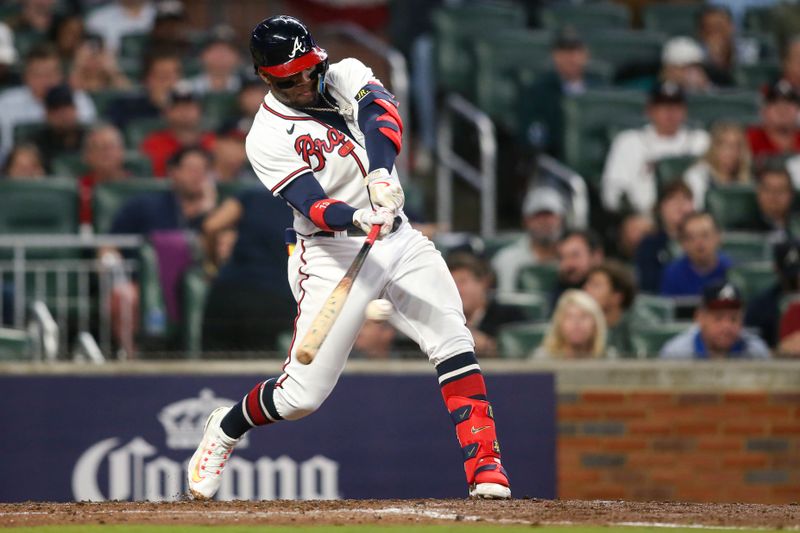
x=381, y=150
x=307, y=196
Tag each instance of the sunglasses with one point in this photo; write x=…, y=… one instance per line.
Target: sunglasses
x=284, y=83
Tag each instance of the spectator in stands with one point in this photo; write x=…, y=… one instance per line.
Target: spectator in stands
x=701, y=262
x=62, y=134
x=170, y=28
x=791, y=63
x=790, y=330
x=221, y=64
x=162, y=71
x=375, y=341
x=778, y=133
x=484, y=314
x=543, y=212
x=775, y=195
x=726, y=161
x=661, y=247
x=23, y=163
x=121, y=18
x=35, y=17
x=612, y=286
x=230, y=159
x=578, y=252
x=67, y=34
x=718, y=331
x=577, y=330
x=763, y=312
x=183, y=116
x=628, y=177
x=723, y=49
x=568, y=77
x=682, y=64
x=633, y=229
x=25, y=104
x=104, y=156
x=249, y=302
x=8, y=57
x=95, y=69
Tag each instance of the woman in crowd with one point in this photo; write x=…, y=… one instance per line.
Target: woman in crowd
x=578, y=329
x=727, y=161
x=24, y=162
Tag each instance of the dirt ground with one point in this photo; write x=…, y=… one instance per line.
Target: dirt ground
x=531, y=512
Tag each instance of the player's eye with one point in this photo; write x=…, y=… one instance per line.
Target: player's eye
x=295, y=80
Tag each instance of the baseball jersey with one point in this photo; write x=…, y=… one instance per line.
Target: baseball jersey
x=284, y=143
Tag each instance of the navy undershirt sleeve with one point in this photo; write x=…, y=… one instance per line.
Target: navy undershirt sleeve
x=305, y=190
x=380, y=149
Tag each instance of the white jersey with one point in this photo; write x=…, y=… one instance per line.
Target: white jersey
x=285, y=143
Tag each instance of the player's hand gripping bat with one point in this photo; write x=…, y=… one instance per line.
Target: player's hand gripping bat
x=326, y=317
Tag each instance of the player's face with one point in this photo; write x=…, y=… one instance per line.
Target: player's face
x=299, y=90
x=720, y=328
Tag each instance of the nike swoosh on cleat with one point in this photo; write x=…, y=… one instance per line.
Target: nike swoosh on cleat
x=196, y=473
x=475, y=430
x=290, y=130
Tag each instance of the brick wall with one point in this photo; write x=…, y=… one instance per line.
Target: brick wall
x=709, y=447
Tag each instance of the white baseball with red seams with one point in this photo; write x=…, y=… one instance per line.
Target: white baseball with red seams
x=404, y=267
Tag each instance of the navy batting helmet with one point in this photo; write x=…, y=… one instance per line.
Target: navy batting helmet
x=282, y=46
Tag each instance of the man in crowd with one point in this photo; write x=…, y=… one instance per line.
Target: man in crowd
x=578, y=252
x=221, y=64
x=763, y=312
x=25, y=104
x=682, y=63
x=628, y=177
x=118, y=19
x=775, y=195
x=543, y=214
x=723, y=49
x=778, y=133
x=484, y=315
x=104, y=156
x=62, y=134
x=612, y=286
x=791, y=64
x=718, y=332
x=701, y=263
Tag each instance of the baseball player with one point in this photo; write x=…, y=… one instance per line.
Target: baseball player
x=325, y=140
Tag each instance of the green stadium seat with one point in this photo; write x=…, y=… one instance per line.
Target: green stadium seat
x=537, y=278
x=519, y=341
x=649, y=308
x=102, y=99
x=671, y=18
x=753, y=278
x=755, y=76
x=621, y=48
x=151, y=297
x=195, y=290
x=669, y=169
x=25, y=40
x=455, y=30
x=25, y=132
x=133, y=46
x=734, y=106
x=648, y=340
x=586, y=119
x=138, y=129
x=732, y=205
x=586, y=17
x=15, y=345
x=40, y=206
x=72, y=165
x=759, y=19
x=219, y=107
x=229, y=189
x=745, y=247
x=109, y=198
x=534, y=306
x=491, y=245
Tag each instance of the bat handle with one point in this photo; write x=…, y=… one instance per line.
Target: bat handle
x=373, y=234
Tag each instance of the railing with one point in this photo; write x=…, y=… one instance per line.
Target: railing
x=398, y=75
x=69, y=282
x=483, y=179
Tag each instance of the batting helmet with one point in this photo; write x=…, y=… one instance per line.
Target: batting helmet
x=282, y=46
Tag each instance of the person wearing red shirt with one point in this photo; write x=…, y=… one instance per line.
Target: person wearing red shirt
x=184, y=128
x=778, y=132
x=104, y=155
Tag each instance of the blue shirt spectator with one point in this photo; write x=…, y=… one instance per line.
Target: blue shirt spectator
x=682, y=279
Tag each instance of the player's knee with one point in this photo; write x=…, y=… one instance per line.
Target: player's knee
x=305, y=404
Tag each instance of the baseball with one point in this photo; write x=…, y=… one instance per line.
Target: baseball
x=379, y=309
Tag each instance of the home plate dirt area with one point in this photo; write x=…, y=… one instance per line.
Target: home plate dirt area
x=353, y=512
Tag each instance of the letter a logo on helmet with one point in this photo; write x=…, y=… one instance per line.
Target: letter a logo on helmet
x=282, y=46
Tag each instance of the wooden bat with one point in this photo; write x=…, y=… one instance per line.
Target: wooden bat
x=326, y=317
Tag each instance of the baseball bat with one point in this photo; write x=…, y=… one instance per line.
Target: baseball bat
x=323, y=322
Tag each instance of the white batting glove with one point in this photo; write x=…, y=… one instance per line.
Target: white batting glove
x=364, y=219
x=385, y=190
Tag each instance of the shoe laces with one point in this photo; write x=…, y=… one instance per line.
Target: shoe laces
x=215, y=455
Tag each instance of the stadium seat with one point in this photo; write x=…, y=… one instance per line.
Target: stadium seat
x=519, y=341
x=586, y=119
x=745, y=247
x=732, y=205
x=72, y=165
x=499, y=57
x=537, y=278
x=756, y=76
x=626, y=48
x=671, y=18
x=649, y=308
x=195, y=290
x=15, y=345
x=102, y=99
x=648, y=340
x=753, y=278
x=735, y=106
x=586, y=17
x=534, y=306
x=109, y=197
x=491, y=245
x=138, y=129
x=133, y=46
x=455, y=30
x=759, y=19
x=151, y=297
x=669, y=169
x=218, y=107
x=40, y=206
x=25, y=132
x=228, y=189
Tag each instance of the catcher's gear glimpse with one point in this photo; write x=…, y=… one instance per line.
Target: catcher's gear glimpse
x=282, y=46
